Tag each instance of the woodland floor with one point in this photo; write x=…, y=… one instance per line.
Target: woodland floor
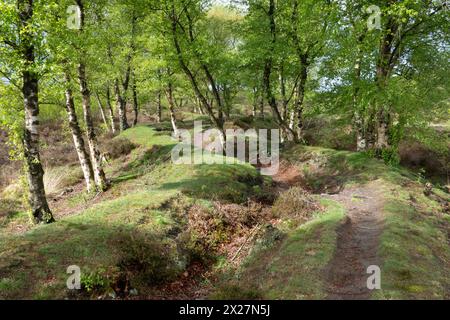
x=308, y=233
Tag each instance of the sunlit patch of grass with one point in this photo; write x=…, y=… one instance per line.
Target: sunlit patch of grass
x=415, y=251
x=146, y=136
x=56, y=179
x=322, y=167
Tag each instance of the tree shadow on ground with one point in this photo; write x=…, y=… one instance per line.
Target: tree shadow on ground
x=233, y=182
x=34, y=265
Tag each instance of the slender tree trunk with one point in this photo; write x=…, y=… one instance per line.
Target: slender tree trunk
x=121, y=106
x=199, y=106
x=216, y=120
x=99, y=174
x=300, y=95
x=359, y=121
x=110, y=109
x=102, y=111
x=382, y=129
x=30, y=89
x=292, y=119
x=289, y=134
x=261, y=105
x=255, y=102
x=227, y=101
x=219, y=119
x=284, y=98
x=135, y=100
x=77, y=136
x=37, y=198
x=159, y=111
x=170, y=100
x=361, y=140
x=305, y=58
x=126, y=80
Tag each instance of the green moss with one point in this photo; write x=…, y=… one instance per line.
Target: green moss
x=414, y=248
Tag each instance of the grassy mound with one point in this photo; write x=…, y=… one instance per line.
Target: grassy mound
x=129, y=237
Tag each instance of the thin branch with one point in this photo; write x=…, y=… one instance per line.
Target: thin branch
x=7, y=77
x=10, y=43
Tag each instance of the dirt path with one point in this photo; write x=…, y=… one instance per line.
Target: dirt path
x=357, y=243
x=287, y=177
x=358, y=236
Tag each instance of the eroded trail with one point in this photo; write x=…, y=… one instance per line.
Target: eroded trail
x=358, y=236
x=357, y=243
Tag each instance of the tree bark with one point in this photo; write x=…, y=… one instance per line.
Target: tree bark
x=359, y=122
x=361, y=140
x=135, y=100
x=170, y=100
x=159, y=111
x=292, y=119
x=290, y=134
x=40, y=210
x=199, y=106
x=99, y=174
x=300, y=95
x=255, y=102
x=102, y=111
x=383, y=71
x=371, y=129
x=126, y=80
x=305, y=61
x=227, y=98
x=284, y=99
x=77, y=136
x=121, y=106
x=383, y=121
x=261, y=105
x=216, y=120
x=110, y=109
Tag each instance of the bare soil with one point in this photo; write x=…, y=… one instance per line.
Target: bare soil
x=357, y=243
